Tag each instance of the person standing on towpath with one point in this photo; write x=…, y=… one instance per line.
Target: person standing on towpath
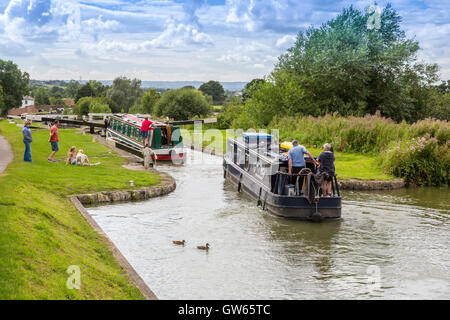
x=27, y=139
x=54, y=141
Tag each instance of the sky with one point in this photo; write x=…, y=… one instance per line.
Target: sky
x=192, y=40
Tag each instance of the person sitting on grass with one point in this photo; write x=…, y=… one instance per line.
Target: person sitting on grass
x=326, y=169
x=83, y=160
x=72, y=156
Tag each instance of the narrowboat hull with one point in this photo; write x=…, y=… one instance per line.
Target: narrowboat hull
x=126, y=129
x=292, y=207
x=164, y=154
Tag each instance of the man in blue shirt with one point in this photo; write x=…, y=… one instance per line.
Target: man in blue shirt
x=296, y=158
x=27, y=139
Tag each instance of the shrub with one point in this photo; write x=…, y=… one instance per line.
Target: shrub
x=420, y=161
x=439, y=129
x=82, y=106
x=98, y=107
x=103, y=105
x=226, y=117
x=371, y=133
x=137, y=109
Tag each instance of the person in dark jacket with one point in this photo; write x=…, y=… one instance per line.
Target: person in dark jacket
x=27, y=139
x=326, y=168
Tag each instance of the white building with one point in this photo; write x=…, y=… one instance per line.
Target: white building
x=27, y=101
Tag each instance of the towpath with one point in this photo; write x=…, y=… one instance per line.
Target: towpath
x=6, y=155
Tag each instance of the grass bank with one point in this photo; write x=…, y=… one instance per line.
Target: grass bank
x=349, y=165
x=42, y=233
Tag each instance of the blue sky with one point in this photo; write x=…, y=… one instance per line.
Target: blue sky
x=165, y=40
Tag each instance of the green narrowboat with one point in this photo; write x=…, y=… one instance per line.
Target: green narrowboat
x=164, y=139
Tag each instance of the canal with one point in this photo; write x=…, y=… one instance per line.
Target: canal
x=388, y=245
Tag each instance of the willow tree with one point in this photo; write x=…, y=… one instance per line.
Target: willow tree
x=351, y=65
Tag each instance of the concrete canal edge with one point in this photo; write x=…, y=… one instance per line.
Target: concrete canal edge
x=167, y=185
x=134, y=276
x=362, y=185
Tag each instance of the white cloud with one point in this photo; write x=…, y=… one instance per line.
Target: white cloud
x=13, y=49
x=253, y=54
x=28, y=20
x=95, y=26
x=121, y=35
x=98, y=24
x=179, y=35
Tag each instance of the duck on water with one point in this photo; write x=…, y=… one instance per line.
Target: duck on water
x=260, y=168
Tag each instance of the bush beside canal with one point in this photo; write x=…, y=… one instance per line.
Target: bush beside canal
x=42, y=233
x=416, y=152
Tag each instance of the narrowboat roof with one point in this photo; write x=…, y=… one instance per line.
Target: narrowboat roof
x=138, y=121
x=256, y=135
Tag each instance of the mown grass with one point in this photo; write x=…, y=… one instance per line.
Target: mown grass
x=42, y=233
x=348, y=165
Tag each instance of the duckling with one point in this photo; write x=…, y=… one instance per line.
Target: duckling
x=203, y=247
x=179, y=242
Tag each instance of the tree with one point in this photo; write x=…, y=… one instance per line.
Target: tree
x=137, y=109
x=84, y=91
x=56, y=91
x=444, y=87
x=71, y=89
x=125, y=92
x=182, y=104
x=2, y=102
x=231, y=111
x=14, y=85
x=347, y=67
x=82, y=107
x=98, y=89
x=57, y=100
x=250, y=87
x=149, y=100
x=215, y=90
x=112, y=105
x=41, y=97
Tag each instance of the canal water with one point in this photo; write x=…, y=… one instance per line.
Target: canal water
x=388, y=245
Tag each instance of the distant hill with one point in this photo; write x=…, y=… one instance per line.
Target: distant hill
x=230, y=86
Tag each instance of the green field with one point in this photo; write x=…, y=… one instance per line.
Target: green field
x=348, y=165
x=42, y=233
